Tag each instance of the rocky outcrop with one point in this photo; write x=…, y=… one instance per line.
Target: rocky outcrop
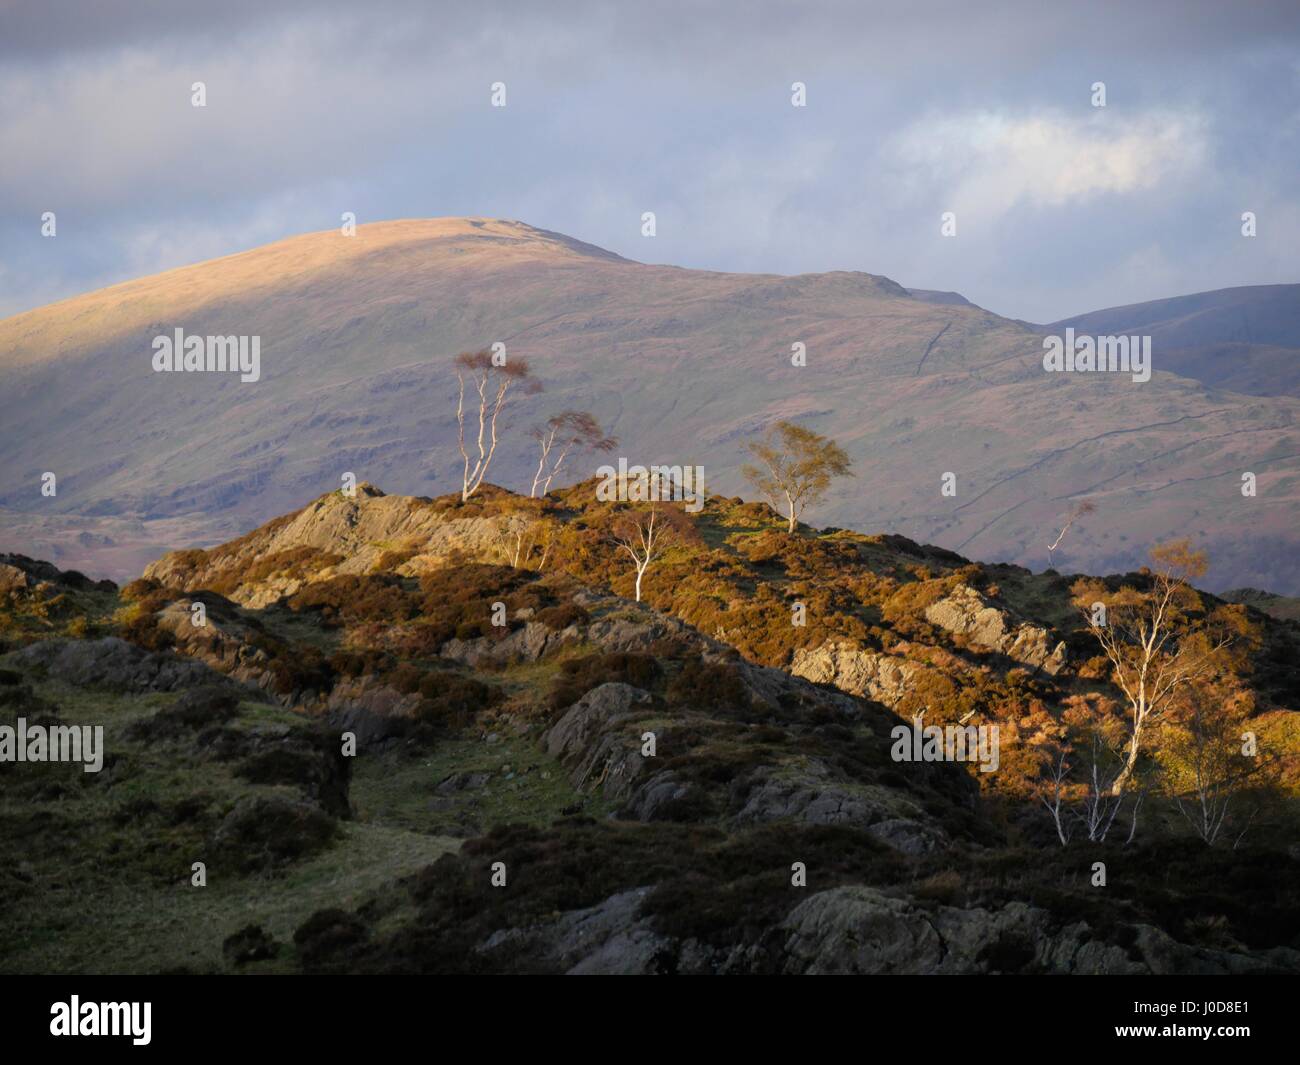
x=525, y=644
x=360, y=530
x=596, y=742
x=861, y=929
x=223, y=641
x=858, y=930
x=850, y=668
x=118, y=666
x=636, y=628
x=964, y=612
x=610, y=938
x=812, y=793
x=888, y=678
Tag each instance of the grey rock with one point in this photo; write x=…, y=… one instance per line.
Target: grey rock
x=609, y=938
x=223, y=642
x=885, y=678
x=372, y=729
x=462, y=782
x=909, y=837
x=967, y=613
x=596, y=739
x=812, y=795
x=115, y=665
x=858, y=929
x=651, y=798
x=526, y=644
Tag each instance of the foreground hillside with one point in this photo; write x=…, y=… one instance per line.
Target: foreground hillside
x=502, y=811
x=357, y=334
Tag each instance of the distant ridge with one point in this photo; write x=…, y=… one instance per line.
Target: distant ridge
x=1244, y=339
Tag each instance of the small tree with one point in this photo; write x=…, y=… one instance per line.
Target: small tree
x=645, y=533
x=1158, y=640
x=520, y=540
x=574, y=429
x=1079, y=762
x=795, y=467
x=1214, y=761
x=1084, y=507
x=492, y=380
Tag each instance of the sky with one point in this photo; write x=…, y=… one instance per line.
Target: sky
x=913, y=109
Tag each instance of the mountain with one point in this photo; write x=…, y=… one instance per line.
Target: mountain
x=390, y=703
x=357, y=336
x=1243, y=339
x=953, y=299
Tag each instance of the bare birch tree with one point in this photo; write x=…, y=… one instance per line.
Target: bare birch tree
x=573, y=429
x=519, y=543
x=1054, y=794
x=1157, y=641
x=1084, y=507
x=646, y=533
x=491, y=379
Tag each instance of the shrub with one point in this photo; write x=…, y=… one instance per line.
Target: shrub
x=373, y=597
x=357, y=663
x=452, y=700
x=140, y=589
x=580, y=675
x=562, y=616
x=304, y=670
x=708, y=686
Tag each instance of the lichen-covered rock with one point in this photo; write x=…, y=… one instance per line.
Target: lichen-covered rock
x=884, y=678
x=965, y=612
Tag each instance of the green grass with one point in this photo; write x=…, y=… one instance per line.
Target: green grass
x=96, y=876
x=95, y=924
x=401, y=790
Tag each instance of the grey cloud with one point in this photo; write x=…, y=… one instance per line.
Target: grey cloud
x=614, y=109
